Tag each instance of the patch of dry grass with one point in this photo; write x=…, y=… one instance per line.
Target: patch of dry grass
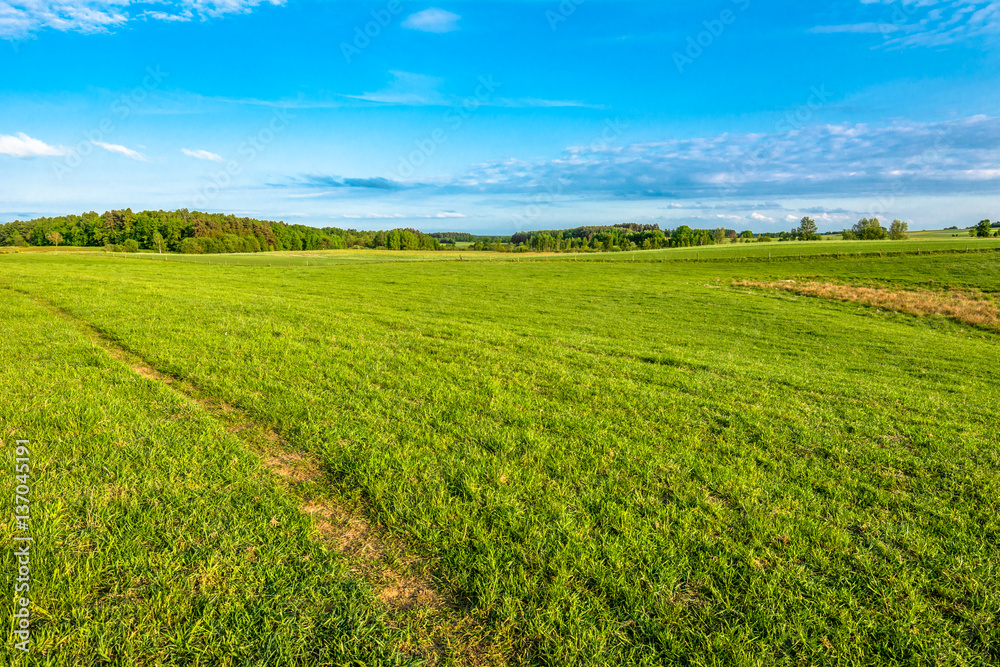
x=973, y=309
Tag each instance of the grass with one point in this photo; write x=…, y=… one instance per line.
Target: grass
x=603, y=462
x=941, y=234
x=158, y=540
x=843, y=249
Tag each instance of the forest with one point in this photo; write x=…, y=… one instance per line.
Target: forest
x=195, y=232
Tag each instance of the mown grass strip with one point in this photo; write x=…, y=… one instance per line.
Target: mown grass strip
x=435, y=632
x=158, y=538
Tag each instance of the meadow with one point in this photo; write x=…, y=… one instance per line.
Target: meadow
x=626, y=458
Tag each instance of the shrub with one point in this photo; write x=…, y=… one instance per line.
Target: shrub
x=870, y=230
x=191, y=246
x=131, y=245
x=982, y=230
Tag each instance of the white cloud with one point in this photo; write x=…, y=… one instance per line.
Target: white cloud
x=761, y=217
x=216, y=8
x=432, y=20
x=842, y=159
x=444, y=215
x=861, y=28
x=202, y=155
x=122, y=150
x=529, y=102
x=407, y=88
x=20, y=18
x=184, y=16
x=412, y=89
x=910, y=23
x=24, y=146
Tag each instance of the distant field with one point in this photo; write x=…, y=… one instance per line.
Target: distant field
x=942, y=234
x=47, y=249
x=725, y=251
x=786, y=249
x=608, y=459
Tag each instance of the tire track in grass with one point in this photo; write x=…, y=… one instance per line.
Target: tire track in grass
x=400, y=579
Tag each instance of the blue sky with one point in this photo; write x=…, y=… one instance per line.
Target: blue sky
x=495, y=117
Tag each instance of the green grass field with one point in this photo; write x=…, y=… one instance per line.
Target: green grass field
x=599, y=459
x=941, y=234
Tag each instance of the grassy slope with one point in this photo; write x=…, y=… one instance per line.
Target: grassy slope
x=615, y=462
x=158, y=540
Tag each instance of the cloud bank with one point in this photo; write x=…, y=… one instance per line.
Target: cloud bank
x=21, y=18
x=830, y=160
x=924, y=23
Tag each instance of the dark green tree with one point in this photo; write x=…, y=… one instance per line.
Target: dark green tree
x=982, y=230
x=870, y=230
x=899, y=230
x=807, y=230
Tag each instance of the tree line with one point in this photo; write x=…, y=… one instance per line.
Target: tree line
x=612, y=238
x=195, y=232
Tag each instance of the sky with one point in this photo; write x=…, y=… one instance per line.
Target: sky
x=502, y=116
